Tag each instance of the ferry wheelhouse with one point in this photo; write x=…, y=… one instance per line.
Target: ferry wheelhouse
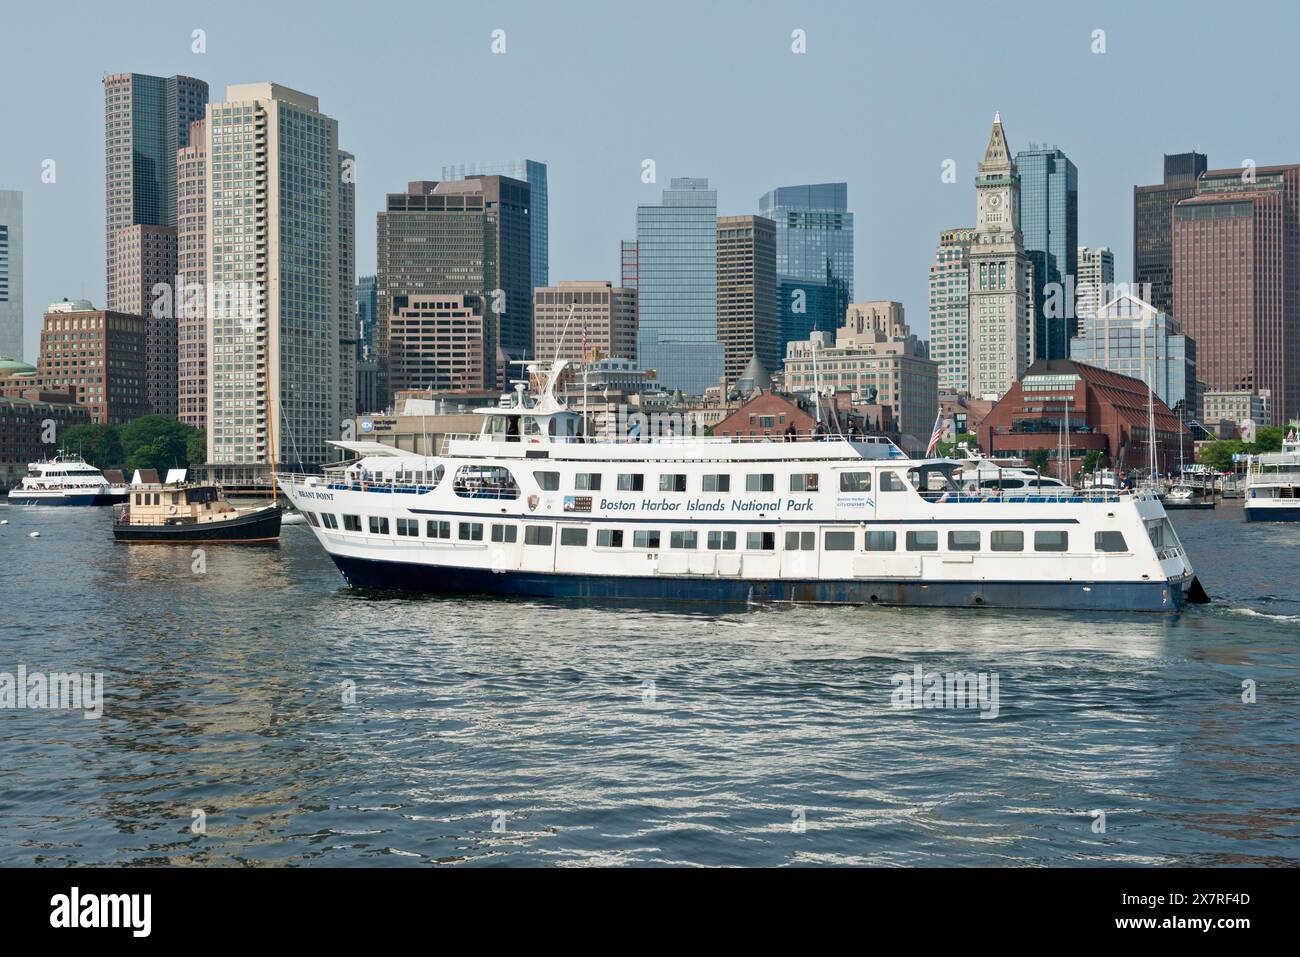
x=1273, y=485
x=530, y=506
x=67, y=479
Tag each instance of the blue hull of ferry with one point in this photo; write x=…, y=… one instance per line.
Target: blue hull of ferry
x=1272, y=514
x=54, y=502
x=1057, y=596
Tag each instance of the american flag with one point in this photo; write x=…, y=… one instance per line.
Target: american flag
x=936, y=434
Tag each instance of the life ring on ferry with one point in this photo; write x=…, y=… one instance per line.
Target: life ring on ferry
x=171, y=510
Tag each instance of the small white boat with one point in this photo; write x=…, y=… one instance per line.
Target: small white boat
x=67, y=480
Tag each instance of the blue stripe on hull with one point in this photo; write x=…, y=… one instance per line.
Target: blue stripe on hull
x=1060, y=596
x=53, y=502
x=1257, y=514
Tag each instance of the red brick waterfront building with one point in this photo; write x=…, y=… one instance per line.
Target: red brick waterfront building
x=1105, y=411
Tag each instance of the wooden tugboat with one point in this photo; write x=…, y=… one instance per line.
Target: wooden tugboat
x=190, y=512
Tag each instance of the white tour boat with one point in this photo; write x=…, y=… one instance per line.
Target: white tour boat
x=1273, y=484
x=67, y=480
x=529, y=506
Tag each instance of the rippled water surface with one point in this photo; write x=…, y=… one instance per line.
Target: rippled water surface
x=508, y=732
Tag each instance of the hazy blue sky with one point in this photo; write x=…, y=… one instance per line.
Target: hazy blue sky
x=881, y=98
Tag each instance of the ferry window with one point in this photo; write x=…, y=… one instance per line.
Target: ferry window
x=890, y=482
x=311, y=518
x=609, y=538
x=505, y=533
x=587, y=482
x=435, y=529
x=631, y=482
x=352, y=523
x=378, y=525
x=920, y=541
x=573, y=536
x=672, y=483
x=538, y=534
x=1051, y=541
x=717, y=483
x=839, y=541
x=408, y=527
x=1007, y=541
x=800, y=541
x=1110, y=542
x=548, y=481
x=475, y=481
x=1156, y=530
x=645, y=539
x=470, y=532
x=329, y=520
x=683, y=540
x=760, y=541
x=882, y=541
x=855, y=481
x=722, y=541
x=806, y=482
x=762, y=482
x=963, y=541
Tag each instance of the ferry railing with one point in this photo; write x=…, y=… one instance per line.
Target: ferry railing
x=662, y=440
x=335, y=484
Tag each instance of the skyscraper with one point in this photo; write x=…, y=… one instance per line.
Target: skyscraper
x=146, y=120
x=677, y=260
x=1236, y=269
x=603, y=315
x=533, y=173
x=1153, y=208
x=459, y=237
x=145, y=257
x=11, y=273
x=628, y=263
x=949, y=321
x=814, y=256
x=365, y=307
x=347, y=279
x=191, y=279
x=1093, y=285
x=747, y=321
x=1001, y=277
x=273, y=200
x=1049, y=230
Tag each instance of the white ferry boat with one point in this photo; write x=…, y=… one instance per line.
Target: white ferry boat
x=67, y=480
x=529, y=506
x=1273, y=485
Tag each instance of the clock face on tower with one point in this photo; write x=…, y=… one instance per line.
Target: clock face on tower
x=995, y=201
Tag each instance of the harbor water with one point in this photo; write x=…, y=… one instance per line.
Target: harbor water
x=257, y=712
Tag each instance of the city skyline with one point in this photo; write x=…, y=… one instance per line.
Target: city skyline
x=891, y=151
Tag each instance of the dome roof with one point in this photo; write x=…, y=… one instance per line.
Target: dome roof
x=13, y=366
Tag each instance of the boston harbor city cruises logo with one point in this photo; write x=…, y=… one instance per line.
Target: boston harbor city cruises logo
x=946, y=690
x=52, y=691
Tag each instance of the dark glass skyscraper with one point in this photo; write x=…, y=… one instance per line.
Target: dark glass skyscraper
x=1049, y=230
x=1153, y=207
x=814, y=256
x=534, y=174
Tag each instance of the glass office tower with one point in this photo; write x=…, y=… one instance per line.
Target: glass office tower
x=677, y=252
x=1049, y=231
x=534, y=174
x=814, y=256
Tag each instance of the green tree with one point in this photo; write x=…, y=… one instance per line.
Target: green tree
x=1091, y=460
x=196, y=447
x=1038, y=459
x=1218, y=455
x=1268, y=438
x=156, y=442
x=946, y=446
x=100, y=445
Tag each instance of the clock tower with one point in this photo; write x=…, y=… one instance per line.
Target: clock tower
x=1000, y=299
